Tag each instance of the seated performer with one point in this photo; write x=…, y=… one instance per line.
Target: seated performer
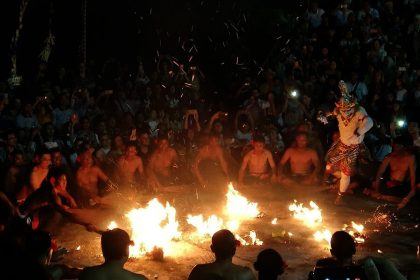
x=401, y=186
x=212, y=151
x=40, y=171
x=53, y=194
x=256, y=161
x=304, y=163
x=160, y=164
x=37, y=176
x=130, y=165
x=87, y=178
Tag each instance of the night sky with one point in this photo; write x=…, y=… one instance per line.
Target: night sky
x=220, y=31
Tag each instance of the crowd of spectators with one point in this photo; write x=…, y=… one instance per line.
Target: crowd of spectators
x=64, y=132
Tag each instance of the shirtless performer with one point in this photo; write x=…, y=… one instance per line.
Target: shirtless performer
x=401, y=163
x=353, y=123
x=40, y=171
x=256, y=162
x=129, y=164
x=160, y=164
x=212, y=151
x=50, y=193
x=53, y=193
x=87, y=177
x=38, y=175
x=304, y=164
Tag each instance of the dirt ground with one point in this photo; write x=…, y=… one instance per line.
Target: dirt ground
x=391, y=234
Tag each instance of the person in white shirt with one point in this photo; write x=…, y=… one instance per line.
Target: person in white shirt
x=357, y=87
x=26, y=119
x=314, y=15
x=367, y=10
x=62, y=114
x=342, y=14
x=400, y=91
x=413, y=130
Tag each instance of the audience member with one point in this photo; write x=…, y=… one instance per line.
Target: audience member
x=223, y=245
x=115, y=249
x=269, y=264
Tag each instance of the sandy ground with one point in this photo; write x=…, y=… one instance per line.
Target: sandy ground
x=395, y=235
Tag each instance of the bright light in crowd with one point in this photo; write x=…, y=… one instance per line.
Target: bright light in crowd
x=401, y=123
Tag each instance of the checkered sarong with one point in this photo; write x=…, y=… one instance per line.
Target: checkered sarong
x=345, y=158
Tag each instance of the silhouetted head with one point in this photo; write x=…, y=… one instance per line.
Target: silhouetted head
x=223, y=244
x=115, y=244
x=269, y=264
x=342, y=245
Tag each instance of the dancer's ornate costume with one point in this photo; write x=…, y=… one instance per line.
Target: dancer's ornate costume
x=353, y=123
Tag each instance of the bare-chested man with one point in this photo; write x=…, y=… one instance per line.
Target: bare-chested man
x=256, y=161
x=304, y=163
x=53, y=193
x=129, y=164
x=13, y=179
x=38, y=175
x=40, y=171
x=402, y=167
x=212, y=151
x=87, y=177
x=160, y=164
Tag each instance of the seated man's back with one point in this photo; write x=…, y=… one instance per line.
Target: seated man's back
x=109, y=271
x=115, y=249
x=221, y=270
x=330, y=268
x=223, y=245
